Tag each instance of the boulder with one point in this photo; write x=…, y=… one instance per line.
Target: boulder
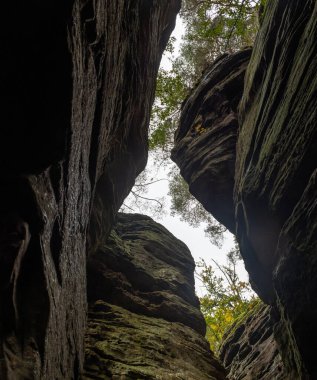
x=144, y=320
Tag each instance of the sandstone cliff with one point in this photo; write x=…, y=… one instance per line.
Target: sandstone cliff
x=249, y=350
x=205, y=142
x=144, y=320
x=271, y=192
x=275, y=191
x=77, y=83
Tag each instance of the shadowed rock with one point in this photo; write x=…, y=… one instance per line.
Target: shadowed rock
x=77, y=83
x=205, y=141
x=274, y=197
x=144, y=319
x=249, y=349
x=275, y=190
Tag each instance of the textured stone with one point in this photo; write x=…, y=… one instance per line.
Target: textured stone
x=249, y=349
x=146, y=270
x=275, y=209
x=77, y=83
x=205, y=141
x=275, y=192
x=144, y=320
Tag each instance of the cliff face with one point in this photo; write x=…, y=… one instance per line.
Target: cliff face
x=205, y=142
x=144, y=320
x=77, y=82
x=249, y=349
x=274, y=192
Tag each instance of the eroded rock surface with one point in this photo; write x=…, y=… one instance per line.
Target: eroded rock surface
x=144, y=319
x=275, y=192
x=77, y=83
x=249, y=350
x=275, y=209
x=205, y=141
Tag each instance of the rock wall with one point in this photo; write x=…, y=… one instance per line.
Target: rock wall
x=144, y=320
x=205, y=142
x=275, y=192
x=77, y=83
x=249, y=349
x=274, y=187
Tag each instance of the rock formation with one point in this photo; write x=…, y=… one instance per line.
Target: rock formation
x=275, y=190
x=205, y=142
x=249, y=350
x=77, y=83
x=274, y=196
x=144, y=320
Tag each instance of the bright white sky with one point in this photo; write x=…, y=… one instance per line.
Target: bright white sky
x=177, y=33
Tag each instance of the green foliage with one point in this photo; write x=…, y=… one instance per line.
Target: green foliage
x=216, y=27
x=227, y=299
x=211, y=29
x=170, y=92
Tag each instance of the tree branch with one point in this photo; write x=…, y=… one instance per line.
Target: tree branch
x=147, y=199
x=150, y=183
x=128, y=207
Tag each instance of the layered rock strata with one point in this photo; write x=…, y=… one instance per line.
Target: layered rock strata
x=205, y=141
x=144, y=320
x=273, y=210
x=77, y=83
x=275, y=190
x=249, y=349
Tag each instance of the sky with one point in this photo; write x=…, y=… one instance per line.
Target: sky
x=177, y=34
x=194, y=238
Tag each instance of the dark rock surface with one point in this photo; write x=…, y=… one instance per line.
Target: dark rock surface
x=77, y=83
x=275, y=192
x=275, y=209
x=249, y=350
x=146, y=270
x=205, y=141
x=144, y=320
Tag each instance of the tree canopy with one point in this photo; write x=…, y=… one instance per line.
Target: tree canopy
x=212, y=28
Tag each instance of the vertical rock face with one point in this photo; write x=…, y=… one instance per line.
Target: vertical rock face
x=144, y=320
x=77, y=82
x=249, y=349
x=275, y=192
x=274, y=197
x=205, y=142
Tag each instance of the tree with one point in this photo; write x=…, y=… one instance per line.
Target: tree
x=227, y=298
x=212, y=27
